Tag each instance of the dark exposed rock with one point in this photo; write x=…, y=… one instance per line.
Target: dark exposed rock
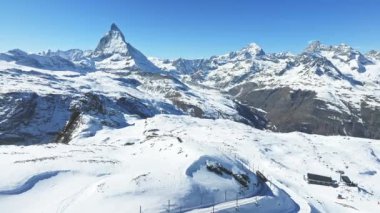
x=22, y=110
x=90, y=103
x=29, y=118
x=66, y=134
x=134, y=106
x=252, y=116
x=192, y=110
x=371, y=121
x=299, y=110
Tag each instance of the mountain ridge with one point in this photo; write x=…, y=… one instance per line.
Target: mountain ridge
x=329, y=89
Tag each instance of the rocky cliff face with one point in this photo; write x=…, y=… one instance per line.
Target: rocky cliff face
x=290, y=110
x=30, y=118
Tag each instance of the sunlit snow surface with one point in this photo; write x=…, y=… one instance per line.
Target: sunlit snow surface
x=160, y=164
x=164, y=158
x=334, y=73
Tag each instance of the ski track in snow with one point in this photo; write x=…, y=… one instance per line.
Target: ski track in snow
x=65, y=204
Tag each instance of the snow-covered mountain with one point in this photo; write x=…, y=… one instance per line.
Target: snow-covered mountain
x=249, y=63
x=325, y=89
x=50, y=103
x=79, y=57
x=113, y=52
x=51, y=62
x=112, y=130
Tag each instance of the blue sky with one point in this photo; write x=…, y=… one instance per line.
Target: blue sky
x=191, y=28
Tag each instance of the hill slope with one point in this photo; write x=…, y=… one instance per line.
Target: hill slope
x=172, y=158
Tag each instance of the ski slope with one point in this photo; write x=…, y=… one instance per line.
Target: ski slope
x=165, y=158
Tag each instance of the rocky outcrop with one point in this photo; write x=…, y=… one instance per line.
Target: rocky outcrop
x=66, y=134
x=132, y=105
x=290, y=110
x=28, y=118
x=371, y=120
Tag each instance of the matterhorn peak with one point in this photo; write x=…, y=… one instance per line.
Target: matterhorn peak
x=254, y=49
x=314, y=46
x=113, y=42
x=113, y=52
x=254, y=46
x=114, y=27
x=248, y=52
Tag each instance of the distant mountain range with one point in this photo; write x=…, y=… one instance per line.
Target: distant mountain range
x=56, y=96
